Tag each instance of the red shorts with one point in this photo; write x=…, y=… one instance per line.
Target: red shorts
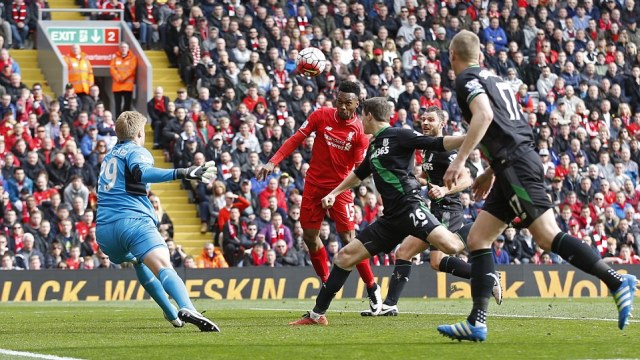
x=312, y=214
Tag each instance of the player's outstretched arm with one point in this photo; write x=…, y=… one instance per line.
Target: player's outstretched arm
x=414, y=140
x=148, y=174
x=285, y=150
x=452, y=142
x=350, y=181
x=482, y=116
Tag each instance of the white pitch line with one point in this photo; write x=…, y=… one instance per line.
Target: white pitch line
x=460, y=314
x=34, y=355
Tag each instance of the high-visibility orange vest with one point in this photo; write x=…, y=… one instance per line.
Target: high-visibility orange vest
x=80, y=73
x=123, y=71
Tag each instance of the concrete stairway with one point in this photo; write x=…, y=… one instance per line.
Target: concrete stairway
x=65, y=4
x=31, y=73
x=174, y=200
x=164, y=76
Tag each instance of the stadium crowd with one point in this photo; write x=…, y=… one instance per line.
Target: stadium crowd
x=574, y=67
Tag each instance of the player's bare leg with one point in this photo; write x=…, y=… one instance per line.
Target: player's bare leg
x=349, y=256
x=548, y=235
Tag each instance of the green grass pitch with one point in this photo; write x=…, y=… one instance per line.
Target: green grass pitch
x=519, y=329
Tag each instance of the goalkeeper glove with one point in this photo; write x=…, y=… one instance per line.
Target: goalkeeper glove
x=205, y=173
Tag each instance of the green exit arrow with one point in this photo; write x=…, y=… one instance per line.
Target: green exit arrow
x=96, y=36
x=70, y=36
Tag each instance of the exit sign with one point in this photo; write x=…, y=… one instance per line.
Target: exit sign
x=100, y=43
x=83, y=36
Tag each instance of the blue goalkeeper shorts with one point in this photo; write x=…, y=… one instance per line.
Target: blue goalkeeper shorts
x=128, y=239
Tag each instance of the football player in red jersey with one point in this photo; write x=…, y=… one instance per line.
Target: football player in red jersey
x=339, y=147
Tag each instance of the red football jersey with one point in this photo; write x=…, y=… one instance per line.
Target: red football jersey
x=339, y=146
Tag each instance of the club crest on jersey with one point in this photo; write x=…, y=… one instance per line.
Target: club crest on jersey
x=385, y=142
x=485, y=74
x=473, y=85
x=350, y=135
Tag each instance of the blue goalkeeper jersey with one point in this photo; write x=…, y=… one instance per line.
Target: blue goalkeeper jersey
x=125, y=176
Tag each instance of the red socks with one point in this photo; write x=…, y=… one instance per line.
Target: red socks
x=364, y=269
x=320, y=262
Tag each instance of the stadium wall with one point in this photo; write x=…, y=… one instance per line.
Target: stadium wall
x=292, y=283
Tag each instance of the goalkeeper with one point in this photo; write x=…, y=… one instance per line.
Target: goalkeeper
x=126, y=223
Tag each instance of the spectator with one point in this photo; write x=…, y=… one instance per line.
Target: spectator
x=273, y=189
x=54, y=256
x=83, y=170
x=495, y=34
x=67, y=237
x=74, y=260
x=18, y=14
x=176, y=253
x=234, y=241
x=284, y=256
x=164, y=221
x=513, y=246
x=231, y=201
x=16, y=184
x=271, y=259
x=110, y=5
x=190, y=262
x=255, y=256
x=157, y=108
x=23, y=256
x=476, y=164
x=211, y=258
x=149, y=15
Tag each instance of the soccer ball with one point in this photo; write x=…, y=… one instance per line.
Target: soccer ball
x=310, y=62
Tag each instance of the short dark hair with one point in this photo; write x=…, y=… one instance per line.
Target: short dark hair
x=436, y=110
x=350, y=87
x=378, y=107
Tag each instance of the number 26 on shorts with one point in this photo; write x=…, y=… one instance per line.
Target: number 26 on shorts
x=418, y=217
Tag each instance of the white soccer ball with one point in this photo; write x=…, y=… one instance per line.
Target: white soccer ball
x=311, y=61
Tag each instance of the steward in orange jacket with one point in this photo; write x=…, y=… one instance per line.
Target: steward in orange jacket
x=80, y=70
x=211, y=258
x=123, y=74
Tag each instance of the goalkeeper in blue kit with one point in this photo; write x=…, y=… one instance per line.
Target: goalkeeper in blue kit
x=127, y=224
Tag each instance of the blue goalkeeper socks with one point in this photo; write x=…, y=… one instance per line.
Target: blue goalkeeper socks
x=174, y=286
x=152, y=285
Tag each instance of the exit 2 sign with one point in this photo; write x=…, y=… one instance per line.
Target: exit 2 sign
x=83, y=36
